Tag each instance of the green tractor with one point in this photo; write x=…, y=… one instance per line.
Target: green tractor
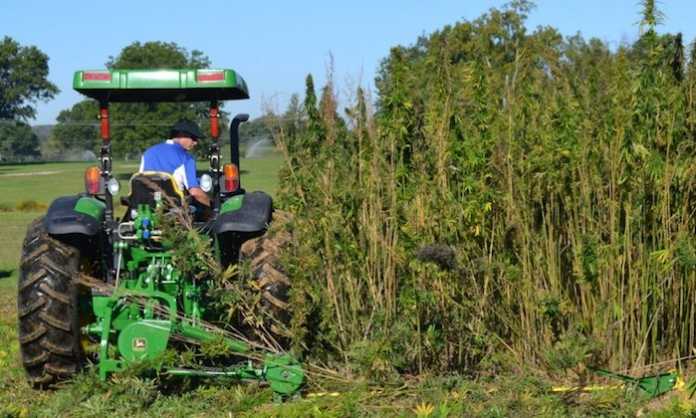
x=89, y=275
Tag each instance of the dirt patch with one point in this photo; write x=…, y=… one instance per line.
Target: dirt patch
x=33, y=173
x=30, y=205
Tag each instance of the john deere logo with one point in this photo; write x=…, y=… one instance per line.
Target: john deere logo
x=139, y=344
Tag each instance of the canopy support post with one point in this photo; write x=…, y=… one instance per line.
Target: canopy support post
x=105, y=159
x=214, y=153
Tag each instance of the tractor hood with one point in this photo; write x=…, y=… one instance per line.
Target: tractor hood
x=161, y=85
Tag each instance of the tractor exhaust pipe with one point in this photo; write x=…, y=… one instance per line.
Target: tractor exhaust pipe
x=234, y=140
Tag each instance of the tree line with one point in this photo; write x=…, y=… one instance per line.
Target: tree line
x=24, y=82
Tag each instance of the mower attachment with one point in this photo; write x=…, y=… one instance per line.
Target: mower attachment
x=282, y=372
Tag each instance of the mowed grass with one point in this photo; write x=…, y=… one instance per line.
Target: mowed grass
x=13, y=225
x=44, y=182
x=27, y=190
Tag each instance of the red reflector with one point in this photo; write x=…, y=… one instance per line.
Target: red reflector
x=210, y=76
x=104, y=120
x=96, y=76
x=214, y=126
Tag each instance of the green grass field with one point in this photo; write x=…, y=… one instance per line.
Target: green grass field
x=44, y=182
x=25, y=191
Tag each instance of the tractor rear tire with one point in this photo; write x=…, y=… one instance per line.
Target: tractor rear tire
x=272, y=281
x=48, y=312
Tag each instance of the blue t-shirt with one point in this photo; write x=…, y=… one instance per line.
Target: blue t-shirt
x=172, y=158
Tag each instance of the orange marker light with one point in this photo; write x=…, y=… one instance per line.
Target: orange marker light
x=92, y=177
x=231, y=173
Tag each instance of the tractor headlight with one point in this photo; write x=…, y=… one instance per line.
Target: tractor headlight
x=206, y=183
x=114, y=186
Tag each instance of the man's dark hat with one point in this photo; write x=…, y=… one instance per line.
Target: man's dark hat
x=186, y=127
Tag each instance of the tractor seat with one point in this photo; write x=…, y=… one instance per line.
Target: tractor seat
x=144, y=187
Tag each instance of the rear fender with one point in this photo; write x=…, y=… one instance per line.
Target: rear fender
x=241, y=218
x=246, y=215
x=71, y=215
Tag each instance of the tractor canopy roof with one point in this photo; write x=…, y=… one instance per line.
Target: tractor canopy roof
x=161, y=85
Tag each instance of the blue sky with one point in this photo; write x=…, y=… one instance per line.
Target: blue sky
x=274, y=44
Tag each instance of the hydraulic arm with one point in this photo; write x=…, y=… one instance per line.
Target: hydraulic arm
x=152, y=304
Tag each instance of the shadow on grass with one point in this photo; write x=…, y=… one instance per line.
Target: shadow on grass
x=9, y=170
x=12, y=166
x=123, y=176
x=5, y=273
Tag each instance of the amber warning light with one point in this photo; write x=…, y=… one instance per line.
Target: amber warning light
x=231, y=174
x=92, y=180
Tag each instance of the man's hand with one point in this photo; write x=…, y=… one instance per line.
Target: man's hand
x=200, y=196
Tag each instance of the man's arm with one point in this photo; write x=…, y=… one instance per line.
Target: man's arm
x=200, y=195
x=194, y=188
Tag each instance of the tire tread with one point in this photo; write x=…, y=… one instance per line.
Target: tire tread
x=49, y=332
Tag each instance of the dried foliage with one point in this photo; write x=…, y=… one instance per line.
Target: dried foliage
x=234, y=297
x=559, y=172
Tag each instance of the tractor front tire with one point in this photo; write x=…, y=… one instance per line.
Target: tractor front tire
x=48, y=312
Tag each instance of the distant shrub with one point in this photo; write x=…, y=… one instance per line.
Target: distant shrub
x=4, y=207
x=30, y=206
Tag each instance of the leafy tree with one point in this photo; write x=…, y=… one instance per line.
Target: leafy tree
x=157, y=55
x=293, y=118
x=255, y=129
x=136, y=126
x=23, y=80
x=17, y=142
x=77, y=127
x=315, y=131
x=678, y=58
x=139, y=125
x=333, y=125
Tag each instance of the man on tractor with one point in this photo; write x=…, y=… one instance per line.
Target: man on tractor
x=172, y=157
x=144, y=301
